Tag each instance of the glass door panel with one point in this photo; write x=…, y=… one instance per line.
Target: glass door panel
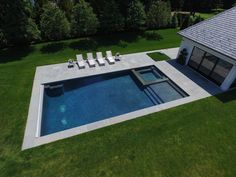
x=208, y=64
x=221, y=71
x=196, y=58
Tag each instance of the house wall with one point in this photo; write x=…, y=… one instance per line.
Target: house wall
x=189, y=46
x=186, y=44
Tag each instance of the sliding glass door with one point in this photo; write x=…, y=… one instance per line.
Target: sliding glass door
x=221, y=71
x=209, y=65
x=196, y=58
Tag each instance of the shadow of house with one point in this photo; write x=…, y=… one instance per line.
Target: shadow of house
x=53, y=47
x=14, y=53
x=196, y=78
x=227, y=96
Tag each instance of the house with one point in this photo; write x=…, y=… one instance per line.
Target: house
x=211, y=48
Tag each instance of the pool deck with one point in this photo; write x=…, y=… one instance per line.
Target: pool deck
x=196, y=86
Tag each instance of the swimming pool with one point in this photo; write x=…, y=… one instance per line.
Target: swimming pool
x=77, y=102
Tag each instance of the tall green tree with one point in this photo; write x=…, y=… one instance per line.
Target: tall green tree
x=16, y=22
x=54, y=24
x=66, y=6
x=38, y=9
x=110, y=18
x=84, y=21
x=177, y=4
x=136, y=16
x=3, y=41
x=159, y=15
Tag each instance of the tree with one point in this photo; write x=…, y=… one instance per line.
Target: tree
x=84, y=21
x=218, y=4
x=3, y=41
x=136, y=16
x=54, y=25
x=177, y=4
x=66, y=6
x=17, y=24
x=38, y=9
x=159, y=15
x=110, y=18
x=174, y=21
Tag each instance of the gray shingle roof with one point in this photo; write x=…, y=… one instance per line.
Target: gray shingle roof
x=217, y=33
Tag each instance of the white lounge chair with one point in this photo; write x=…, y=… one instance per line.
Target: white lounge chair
x=80, y=61
x=70, y=63
x=109, y=57
x=90, y=60
x=100, y=58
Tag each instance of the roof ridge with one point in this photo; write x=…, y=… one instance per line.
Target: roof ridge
x=204, y=21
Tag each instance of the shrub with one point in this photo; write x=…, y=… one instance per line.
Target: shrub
x=152, y=35
x=182, y=57
x=198, y=19
x=188, y=21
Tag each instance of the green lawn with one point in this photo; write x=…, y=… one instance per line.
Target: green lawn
x=193, y=140
x=157, y=56
x=206, y=15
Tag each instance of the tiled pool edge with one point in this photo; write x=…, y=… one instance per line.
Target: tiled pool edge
x=131, y=61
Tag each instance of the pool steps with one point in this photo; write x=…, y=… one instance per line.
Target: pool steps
x=155, y=94
x=152, y=95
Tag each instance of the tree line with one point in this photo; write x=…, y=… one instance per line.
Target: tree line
x=26, y=21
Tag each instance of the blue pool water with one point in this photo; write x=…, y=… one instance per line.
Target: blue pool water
x=81, y=101
x=148, y=76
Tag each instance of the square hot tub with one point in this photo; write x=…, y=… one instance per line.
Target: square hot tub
x=149, y=75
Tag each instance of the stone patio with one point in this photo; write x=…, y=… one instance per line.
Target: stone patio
x=196, y=86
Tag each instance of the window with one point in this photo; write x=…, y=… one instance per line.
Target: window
x=221, y=71
x=208, y=64
x=196, y=58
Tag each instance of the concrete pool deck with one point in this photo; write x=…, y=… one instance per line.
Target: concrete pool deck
x=192, y=83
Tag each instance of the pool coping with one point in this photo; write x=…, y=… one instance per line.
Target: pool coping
x=60, y=72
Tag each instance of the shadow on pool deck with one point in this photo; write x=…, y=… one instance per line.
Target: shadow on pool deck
x=196, y=78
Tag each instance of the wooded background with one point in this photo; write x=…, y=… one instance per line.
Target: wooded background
x=23, y=22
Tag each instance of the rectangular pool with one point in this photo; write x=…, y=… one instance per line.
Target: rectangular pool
x=73, y=103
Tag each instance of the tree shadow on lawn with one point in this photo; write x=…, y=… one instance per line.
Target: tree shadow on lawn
x=227, y=97
x=84, y=44
x=92, y=43
x=53, y=47
x=14, y=53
